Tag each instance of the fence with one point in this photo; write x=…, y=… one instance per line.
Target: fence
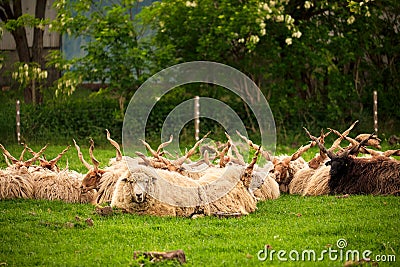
x=60, y=123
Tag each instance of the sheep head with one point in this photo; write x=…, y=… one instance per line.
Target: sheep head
x=339, y=162
x=136, y=185
x=92, y=178
x=283, y=172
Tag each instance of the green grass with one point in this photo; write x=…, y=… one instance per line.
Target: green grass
x=47, y=233
x=44, y=233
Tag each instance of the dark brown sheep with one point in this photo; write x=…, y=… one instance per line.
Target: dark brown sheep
x=354, y=175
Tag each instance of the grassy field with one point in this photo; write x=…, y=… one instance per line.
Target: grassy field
x=44, y=233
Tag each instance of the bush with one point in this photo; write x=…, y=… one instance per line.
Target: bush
x=78, y=118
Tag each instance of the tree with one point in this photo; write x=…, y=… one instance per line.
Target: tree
x=317, y=62
x=16, y=22
x=116, y=54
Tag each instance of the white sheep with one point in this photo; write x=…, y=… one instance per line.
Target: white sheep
x=142, y=189
x=318, y=183
x=16, y=183
x=268, y=189
x=63, y=185
x=45, y=181
x=103, y=181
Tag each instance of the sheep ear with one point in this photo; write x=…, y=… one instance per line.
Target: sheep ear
x=328, y=163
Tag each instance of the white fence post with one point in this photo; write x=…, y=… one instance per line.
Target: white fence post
x=376, y=112
x=18, y=120
x=196, y=117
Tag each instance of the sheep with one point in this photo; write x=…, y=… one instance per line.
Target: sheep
x=260, y=180
x=269, y=188
x=16, y=180
x=142, y=190
x=16, y=184
x=263, y=185
x=51, y=183
x=352, y=175
x=312, y=180
x=135, y=191
x=284, y=166
x=300, y=181
x=45, y=181
x=103, y=181
x=317, y=184
x=231, y=187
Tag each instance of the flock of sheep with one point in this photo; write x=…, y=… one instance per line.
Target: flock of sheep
x=162, y=186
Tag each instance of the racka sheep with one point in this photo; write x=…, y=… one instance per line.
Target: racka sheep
x=354, y=175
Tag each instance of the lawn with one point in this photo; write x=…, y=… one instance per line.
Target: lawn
x=48, y=233
x=44, y=233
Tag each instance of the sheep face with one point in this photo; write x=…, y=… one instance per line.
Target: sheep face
x=136, y=186
x=91, y=180
x=257, y=180
x=281, y=173
x=339, y=168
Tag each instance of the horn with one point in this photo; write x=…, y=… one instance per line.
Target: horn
x=191, y=151
x=21, y=157
x=330, y=154
x=7, y=161
x=235, y=149
x=35, y=157
x=153, y=153
x=162, y=145
x=95, y=162
x=80, y=155
x=118, y=157
x=54, y=161
x=8, y=155
x=246, y=177
x=355, y=149
x=265, y=153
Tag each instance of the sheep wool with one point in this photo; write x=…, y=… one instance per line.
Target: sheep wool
x=16, y=184
x=318, y=183
x=300, y=180
x=58, y=186
x=268, y=190
x=139, y=190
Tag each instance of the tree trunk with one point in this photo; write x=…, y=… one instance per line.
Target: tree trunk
x=21, y=44
x=37, y=46
x=12, y=10
x=21, y=41
x=19, y=33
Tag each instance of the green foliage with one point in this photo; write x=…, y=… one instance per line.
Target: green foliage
x=316, y=62
x=317, y=72
x=117, y=53
x=77, y=118
x=26, y=20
